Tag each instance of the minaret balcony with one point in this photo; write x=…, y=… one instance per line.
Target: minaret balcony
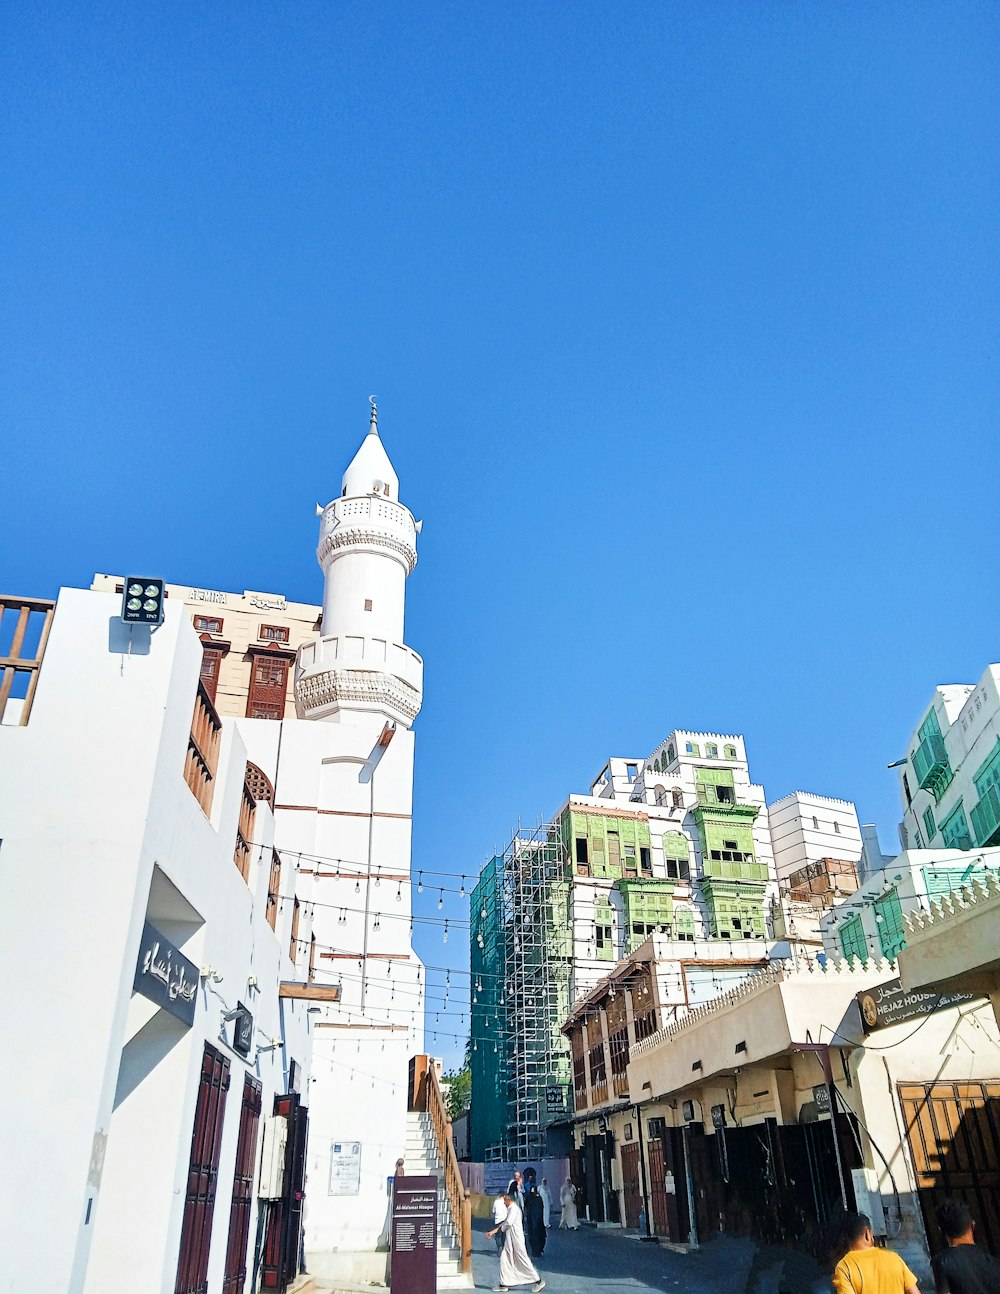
x=368, y=522
x=352, y=672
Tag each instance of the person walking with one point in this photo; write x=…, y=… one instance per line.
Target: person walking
x=962, y=1268
x=546, y=1195
x=516, y=1190
x=515, y=1265
x=567, y=1198
x=534, y=1222
x=499, y=1213
x=867, y=1269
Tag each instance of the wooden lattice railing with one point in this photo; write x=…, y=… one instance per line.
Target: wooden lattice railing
x=458, y=1196
x=31, y=616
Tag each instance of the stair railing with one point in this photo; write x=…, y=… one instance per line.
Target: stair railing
x=458, y=1196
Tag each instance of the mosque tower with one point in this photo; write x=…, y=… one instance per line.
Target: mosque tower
x=367, y=548
x=344, y=798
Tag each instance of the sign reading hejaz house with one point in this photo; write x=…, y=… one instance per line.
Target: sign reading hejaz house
x=890, y=1003
x=165, y=976
x=414, y=1235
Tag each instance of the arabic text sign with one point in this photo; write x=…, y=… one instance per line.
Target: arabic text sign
x=345, y=1168
x=414, y=1235
x=890, y=1003
x=165, y=976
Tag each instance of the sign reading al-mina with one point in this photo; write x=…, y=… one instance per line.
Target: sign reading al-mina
x=890, y=1003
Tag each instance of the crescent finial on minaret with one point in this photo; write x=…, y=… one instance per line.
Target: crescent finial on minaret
x=373, y=426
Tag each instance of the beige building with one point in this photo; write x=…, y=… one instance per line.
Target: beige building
x=249, y=643
x=952, y=948
x=720, y=1120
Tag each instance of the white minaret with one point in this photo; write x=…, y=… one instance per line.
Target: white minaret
x=343, y=774
x=367, y=548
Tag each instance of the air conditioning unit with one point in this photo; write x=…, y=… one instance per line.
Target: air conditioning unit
x=272, y=1158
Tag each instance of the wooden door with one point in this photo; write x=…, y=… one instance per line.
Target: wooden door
x=235, y=1275
x=631, y=1183
x=953, y=1131
x=203, y=1174
x=660, y=1200
x=284, y=1223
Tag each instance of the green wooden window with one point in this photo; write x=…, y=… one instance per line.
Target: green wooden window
x=929, y=823
x=988, y=773
x=603, y=931
x=853, y=943
x=692, y=748
x=685, y=924
x=889, y=919
x=955, y=829
x=676, y=855
x=730, y=752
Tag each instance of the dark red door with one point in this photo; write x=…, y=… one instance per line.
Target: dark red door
x=284, y=1222
x=203, y=1174
x=239, y=1212
x=657, y=1189
x=632, y=1187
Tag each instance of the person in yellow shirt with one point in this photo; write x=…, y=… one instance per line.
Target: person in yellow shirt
x=866, y=1269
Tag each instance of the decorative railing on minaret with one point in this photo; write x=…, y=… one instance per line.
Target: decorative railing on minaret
x=367, y=548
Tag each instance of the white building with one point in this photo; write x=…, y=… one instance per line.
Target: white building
x=266, y=851
x=871, y=922
x=149, y=927
x=342, y=773
x=807, y=828
x=950, y=780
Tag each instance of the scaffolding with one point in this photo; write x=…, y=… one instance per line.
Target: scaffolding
x=521, y=958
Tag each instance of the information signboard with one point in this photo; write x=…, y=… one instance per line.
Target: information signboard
x=890, y=1003
x=345, y=1168
x=414, y=1235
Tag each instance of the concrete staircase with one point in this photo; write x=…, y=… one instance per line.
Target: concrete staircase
x=422, y=1159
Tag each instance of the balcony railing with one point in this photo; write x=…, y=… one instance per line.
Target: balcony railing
x=930, y=761
x=986, y=818
x=24, y=631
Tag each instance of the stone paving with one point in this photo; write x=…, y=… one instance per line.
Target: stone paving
x=610, y=1261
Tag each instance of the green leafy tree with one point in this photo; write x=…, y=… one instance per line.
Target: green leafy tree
x=460, y=1085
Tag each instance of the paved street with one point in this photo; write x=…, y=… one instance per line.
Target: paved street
x=610, y=1262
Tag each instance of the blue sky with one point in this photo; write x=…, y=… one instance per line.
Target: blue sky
x=682, y=319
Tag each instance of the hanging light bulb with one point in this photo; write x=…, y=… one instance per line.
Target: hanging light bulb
x=399, y=892
x=378, y=879
x=482, y=915
x=441, y=900
x=420, y=883
x=446, y=932
x=462, y=890
x=357, y=887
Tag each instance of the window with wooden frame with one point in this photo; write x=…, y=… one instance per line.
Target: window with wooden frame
x=312, y=958
x=273, y=633
x=576, y=1047
x=208, y=624
x=293, y=943
x=643, y=1008
x=273, y=890
x=211, y=662
x=202, y=760
x=244, y=832
x=261, y=787
x=268, y=686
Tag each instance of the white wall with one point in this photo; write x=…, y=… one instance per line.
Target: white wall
x=94, y=809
